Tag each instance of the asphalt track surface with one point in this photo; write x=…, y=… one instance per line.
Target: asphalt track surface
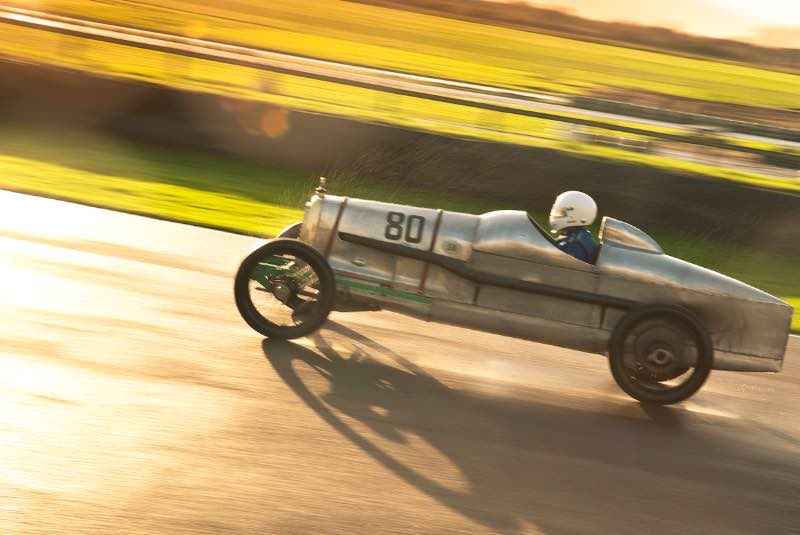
x=133, y=399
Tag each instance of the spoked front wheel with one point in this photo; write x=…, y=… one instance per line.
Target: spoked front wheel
x=285, y=289
x=660, y=355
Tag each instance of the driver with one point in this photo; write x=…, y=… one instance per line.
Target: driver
x=572, y=212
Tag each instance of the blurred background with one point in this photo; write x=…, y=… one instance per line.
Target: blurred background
x=684, y=120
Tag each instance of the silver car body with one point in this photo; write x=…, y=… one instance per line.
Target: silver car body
x=500, y=272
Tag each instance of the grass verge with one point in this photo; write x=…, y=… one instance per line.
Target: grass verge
x=216, y=192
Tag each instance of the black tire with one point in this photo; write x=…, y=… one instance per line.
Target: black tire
x=669, y=330
x=314, y=312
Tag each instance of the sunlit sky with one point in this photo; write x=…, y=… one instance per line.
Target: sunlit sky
x=771, y=22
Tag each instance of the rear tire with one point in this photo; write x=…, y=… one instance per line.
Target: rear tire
x=652, y=346
x=294, y=317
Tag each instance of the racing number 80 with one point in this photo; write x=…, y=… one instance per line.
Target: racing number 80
x=413, y=230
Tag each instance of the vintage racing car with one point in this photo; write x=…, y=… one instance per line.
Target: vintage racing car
x=664, y=323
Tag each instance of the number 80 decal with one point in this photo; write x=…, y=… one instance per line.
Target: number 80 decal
x=414, y=227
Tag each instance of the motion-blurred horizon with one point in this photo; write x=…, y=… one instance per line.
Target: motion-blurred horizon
x=773, y=23
x=727, y=32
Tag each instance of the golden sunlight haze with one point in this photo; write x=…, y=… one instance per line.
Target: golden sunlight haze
x=766, y=22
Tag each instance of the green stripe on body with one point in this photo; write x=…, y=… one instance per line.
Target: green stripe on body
x=382, y=291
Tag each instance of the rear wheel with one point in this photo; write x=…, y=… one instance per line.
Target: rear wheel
x=285, y=289
x=660, y=355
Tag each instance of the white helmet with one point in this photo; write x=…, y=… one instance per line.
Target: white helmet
x=572, y=209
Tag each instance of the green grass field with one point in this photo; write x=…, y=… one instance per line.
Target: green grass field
x=212, y=191
x=443, y=47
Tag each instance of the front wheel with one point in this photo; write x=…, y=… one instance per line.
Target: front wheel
x=660, y=355
x=285, y=289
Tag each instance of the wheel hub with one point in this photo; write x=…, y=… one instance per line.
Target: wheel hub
x=282, y=291
x=658, y=354
x=661, y=357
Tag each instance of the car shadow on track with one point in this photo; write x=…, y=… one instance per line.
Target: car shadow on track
x=661, y=470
